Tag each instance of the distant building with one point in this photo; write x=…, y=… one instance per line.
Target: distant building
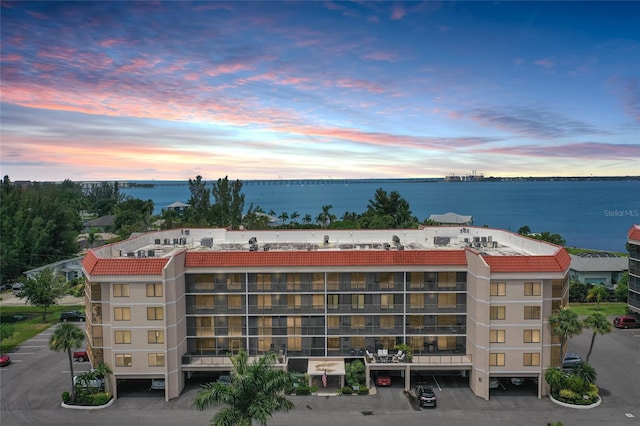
x=177, y=206
x=634, y=268
x=70, y=269
x=176, y=303
x=451, y=219
x=598, y=268
x=102, y=223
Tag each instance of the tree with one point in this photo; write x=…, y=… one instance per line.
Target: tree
x=524, y=230
x=6, y=331
x=67, y=337
x=577, y=291
x=598, y=322
x=564, y=323
x=199, y=203
x=392, y=205
x=228, y=203
x=550, y=238
x=622, y=288
x=43, y=290
x=355, y=373
x=598, y=292
x=256, y=391
x=325, y=218
x=555, y=379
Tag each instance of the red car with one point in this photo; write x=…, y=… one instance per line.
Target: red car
x=5, y=360
x=383, y=381
x=81, y=356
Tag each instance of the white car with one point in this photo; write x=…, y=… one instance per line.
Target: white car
x=92, y=383
x=494, y=383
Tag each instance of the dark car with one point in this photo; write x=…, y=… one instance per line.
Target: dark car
x=426, y=396
x=72, y=316
x=626, y=321
x=571, y=360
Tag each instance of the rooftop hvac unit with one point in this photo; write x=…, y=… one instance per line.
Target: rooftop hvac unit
x=130, y=254
x=476, y=239
x=386, y=246
x=141, y=253
x=167, y=241
x=186, y=232
x=151, y=253
x=266, y=247
x=157, y=241
x=489, y=238
x=183, y=241
x=466, y=240
x=206, y=242
x=395, y=239
x=326, y=239
x=253, y=247
x=400, y=247
x=176, y=241
x=253, y=240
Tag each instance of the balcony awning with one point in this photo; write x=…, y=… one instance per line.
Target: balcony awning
x=332, y=366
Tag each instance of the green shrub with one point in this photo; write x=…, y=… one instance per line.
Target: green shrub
x=303, y=390
x=347, y=390
x=568, y=395
x=363, y=390
x=100, y=398
x=66, y=397
x=313, y=389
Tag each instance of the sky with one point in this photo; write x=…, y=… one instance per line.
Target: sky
x=318, y=89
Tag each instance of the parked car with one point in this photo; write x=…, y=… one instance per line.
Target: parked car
x=16, y=288
x=5, y=360
x=626, y=321
x=72, y=316
x=225, y=379
x=81, y=356
x=383, y=380
x=571, y=360
x=494, y=383
x=88, y=381
x=5, y=287
x=157, y=384
x=518, y=381
x=426, y=396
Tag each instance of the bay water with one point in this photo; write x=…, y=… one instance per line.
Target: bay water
x=594, y=214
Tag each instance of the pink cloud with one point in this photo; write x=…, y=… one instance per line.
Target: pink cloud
x=359, y=84
x=380, y=56
x=397, y=13
x=546, y=63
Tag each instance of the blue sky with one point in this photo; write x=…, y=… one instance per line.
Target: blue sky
x=262, y=90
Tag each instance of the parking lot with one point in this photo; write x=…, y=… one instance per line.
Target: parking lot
x=30, y=391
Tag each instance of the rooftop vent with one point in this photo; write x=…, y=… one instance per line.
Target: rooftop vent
x=253, y=240
x=326, y=239
x=395, y=239
x=157, y=241
x=253, y=247
x=386, y=246
x=266, y=247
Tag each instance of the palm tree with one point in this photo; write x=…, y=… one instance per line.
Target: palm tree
x=256, y=391
x=66, y=338
x=598, y=322
x=564, y=323
x=555, y=378
x=103, y=371
x=585, y=372
x=598, y=292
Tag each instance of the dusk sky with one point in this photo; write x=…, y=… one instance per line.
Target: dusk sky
x=266, y=90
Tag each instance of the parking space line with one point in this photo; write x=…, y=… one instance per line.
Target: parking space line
x=22, y=353
x=437, y=384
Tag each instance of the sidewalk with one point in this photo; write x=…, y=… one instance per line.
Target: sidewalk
x=8, y=299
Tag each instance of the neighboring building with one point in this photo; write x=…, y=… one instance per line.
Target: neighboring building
x=451, y=219
x=173, y=303
x=177, y=206
x=70, y=269
x=102, y=223
x=598, y=268
x=634, y=268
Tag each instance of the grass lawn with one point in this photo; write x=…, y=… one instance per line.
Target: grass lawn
x=607, y=308
x=26, y=322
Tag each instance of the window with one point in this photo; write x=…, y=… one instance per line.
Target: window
x=203, y=282
x=294, y=301
x=531, y=312
x=317, y=280
x=122, y=314
x=235, y=326
x=532, y=289
x=357, y=301
x=264, y=326
x=263, y=281
x=357, y=280
x=333, y=343
x=293, y=281
x=122, y=337
x=155, y=313
x=498, y=289
x=446, y=300
x=332, y=301
x=264, y=301
x=416, y=322
x=557, y=287
x=123, y=360
x=294, y=331
x=447, y=279
x=203, y=301
x=531, y=336
x=154, y=290
x=531, y=359
x=204, y=327
x=333, y=322
x=416, y=300
x=333, y=282
x=234, y=281
x=386, y=301
x=155, y=336
x=496, y=336
x=497, y=312
x=387, y=322
x=357, y=321
x=121, y=290
x=234, y=301
x=416, y=279
x=386, y=280
x=156, y=359
x=496, y=359
x=317, y=301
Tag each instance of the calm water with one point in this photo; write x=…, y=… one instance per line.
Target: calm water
x=589, y=214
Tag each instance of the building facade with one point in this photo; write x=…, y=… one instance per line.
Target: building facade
x=634, y=268
x=167, y=304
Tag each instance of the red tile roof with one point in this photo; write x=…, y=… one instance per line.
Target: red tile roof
x=558, y=262
x=123, y=266
x=322, y=258
x=634, y=233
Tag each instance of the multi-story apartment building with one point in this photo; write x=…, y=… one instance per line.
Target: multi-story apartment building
x=166, y=304
x=634, y=268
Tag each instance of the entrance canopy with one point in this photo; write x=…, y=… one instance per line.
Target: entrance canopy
x=333, y=367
